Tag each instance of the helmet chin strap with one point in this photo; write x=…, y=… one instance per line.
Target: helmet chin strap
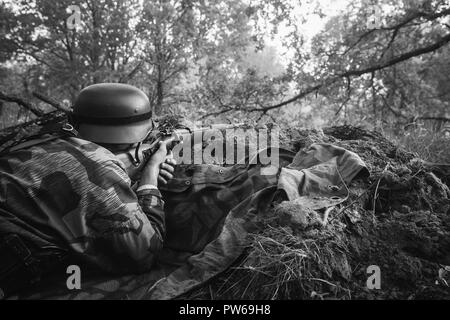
x=137, y=159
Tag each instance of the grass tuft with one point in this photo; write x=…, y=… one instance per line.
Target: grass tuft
x=283, y=265
x=427, y=144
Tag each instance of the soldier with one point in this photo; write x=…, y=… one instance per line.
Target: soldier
x=66, y=199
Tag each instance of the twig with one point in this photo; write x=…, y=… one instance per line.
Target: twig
x=51, y=102
x=376, y=192
x=351, y=204
x=22, y=102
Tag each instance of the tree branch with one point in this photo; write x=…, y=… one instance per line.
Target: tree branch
x=403, y=57
x=303, y=94
x=26, y=104
x=129, y=76
x=357, y=73
x=51, y=102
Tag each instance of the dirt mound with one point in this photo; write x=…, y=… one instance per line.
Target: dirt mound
x=398, y=220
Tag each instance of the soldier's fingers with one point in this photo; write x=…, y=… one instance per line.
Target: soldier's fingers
x=167, y=167
x=162, y=180
x=171, y=161
x=165, y=174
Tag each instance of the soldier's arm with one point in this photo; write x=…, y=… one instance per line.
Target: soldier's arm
x=142, y=234
x=152, y=205
x=128, y=225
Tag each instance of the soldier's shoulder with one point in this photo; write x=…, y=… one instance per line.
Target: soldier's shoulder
x=92, y=150
x=95, y=152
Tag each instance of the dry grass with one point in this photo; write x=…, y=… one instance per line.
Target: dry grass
x=426, y=144
x=282, y=265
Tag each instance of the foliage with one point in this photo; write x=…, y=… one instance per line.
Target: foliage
x=228, y=60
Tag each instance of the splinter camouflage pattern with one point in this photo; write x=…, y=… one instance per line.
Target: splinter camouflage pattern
x=72, y=196
x=209, y=212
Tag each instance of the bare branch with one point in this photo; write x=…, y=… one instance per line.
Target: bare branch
x=129, y=76
x=391, y=41
x=51, y=102
x=303, y=94
x=213, y=114
x=26, y=104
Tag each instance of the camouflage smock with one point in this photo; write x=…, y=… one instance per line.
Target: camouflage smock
x=75, y=196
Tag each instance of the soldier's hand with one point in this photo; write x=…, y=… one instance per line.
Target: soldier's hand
x=166, y=169
x=159, y=168
x=160, y=156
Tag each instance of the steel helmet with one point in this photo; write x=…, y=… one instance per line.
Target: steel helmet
x=112, y=113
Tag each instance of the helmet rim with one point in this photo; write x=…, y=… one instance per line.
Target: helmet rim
x=113, y=134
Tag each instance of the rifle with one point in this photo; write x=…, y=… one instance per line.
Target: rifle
x=135, y=159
